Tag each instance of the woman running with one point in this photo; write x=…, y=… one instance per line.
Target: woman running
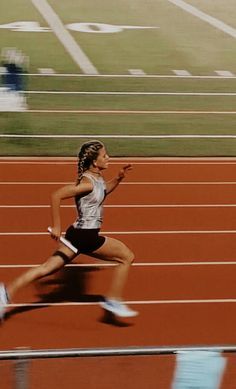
x=89, y=193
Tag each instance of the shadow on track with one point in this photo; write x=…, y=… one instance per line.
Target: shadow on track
x=67, y=285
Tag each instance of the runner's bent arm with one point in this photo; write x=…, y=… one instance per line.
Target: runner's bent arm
x=63, y=193
x=111, y=185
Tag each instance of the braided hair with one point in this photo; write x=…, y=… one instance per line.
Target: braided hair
x=87, y=154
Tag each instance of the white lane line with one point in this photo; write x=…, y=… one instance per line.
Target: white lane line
x=79, y=136
x=123, y=183
x=150, y=232
x=129, y=76
x=205, y=17
x=132, y=302
x=171, y=264
x=191, y=301
x=24, y=206
x=129, y=112
x=65, y=37
x=135, y=264
x=35, y=182
x=132, y=93
x=181, y=183
x=115, y=160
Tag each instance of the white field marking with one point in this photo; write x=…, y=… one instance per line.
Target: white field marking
x=68, y=136
x=128, y=112
x=65, y=37
x=46, y=70
x=125, y=76
x=132, y=302
x=139, y=72
x=224, y=73
x=205, y=17
x=135, y=264
x=38, y=92
x=126, y=206
x=182, y=72
x=151, y=232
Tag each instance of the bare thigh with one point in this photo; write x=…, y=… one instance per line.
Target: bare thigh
x=50, y=266
x=55, y=262
x=113, y=250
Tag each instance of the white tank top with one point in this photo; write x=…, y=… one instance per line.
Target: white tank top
x=89, y=207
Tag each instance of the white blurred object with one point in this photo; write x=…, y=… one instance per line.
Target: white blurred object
x=12, y=54
x=12, y=101
x=199, y=370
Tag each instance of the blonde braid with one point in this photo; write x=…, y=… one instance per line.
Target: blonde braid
x=81, y=162
x=88, y=153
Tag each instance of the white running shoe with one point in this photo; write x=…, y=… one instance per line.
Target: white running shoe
x=118, y=308
x=3, y=300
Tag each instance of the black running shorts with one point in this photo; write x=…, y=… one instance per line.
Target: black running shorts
x=85, y=240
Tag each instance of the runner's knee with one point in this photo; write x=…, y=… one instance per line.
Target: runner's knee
x=127, y=258
x=131, y=257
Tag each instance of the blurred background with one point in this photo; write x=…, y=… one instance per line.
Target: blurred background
x=153, y=78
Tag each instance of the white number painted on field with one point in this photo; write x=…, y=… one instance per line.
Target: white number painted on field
x=102, y=28
x=24, y=27
x=95, y=28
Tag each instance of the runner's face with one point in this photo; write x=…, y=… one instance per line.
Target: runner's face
x=102, y=159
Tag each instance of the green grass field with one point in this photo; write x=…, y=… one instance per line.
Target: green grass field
x=182, y=41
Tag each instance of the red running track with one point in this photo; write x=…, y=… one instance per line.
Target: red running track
x=182, y=230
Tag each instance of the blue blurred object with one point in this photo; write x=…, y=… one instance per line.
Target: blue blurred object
x=13, y=77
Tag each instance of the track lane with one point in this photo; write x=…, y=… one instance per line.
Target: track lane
x=132, y=219
x=187, y=170
x=82, y=326
x=15, y=194
x=161, y=283
x=33, y=249
x=64, y=373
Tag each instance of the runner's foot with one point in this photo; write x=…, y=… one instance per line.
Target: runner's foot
x=118, y=308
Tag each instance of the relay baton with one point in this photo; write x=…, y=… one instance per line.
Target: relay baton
x=65, y=242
